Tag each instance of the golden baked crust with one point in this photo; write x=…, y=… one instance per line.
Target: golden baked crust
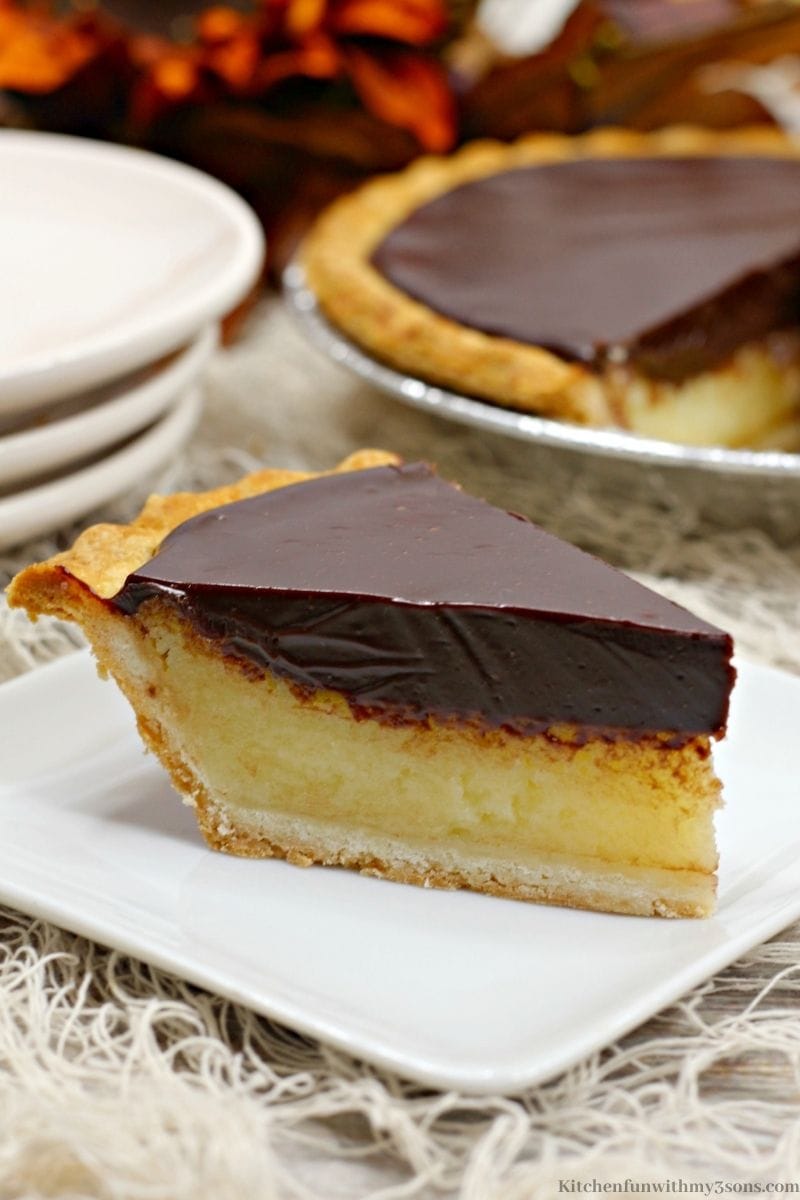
x=412, y=337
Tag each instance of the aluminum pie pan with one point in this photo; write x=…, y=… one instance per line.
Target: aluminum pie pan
x=608, y=443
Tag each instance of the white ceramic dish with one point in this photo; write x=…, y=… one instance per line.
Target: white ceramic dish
x=466, y=410
x=453, y=989
x=105, y=416
x=36, y=510
x=111, y=258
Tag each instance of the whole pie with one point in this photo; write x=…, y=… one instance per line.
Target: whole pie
x=370, y=668
x=644, y=281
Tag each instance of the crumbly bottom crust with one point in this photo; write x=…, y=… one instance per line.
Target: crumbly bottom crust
x=558, y=880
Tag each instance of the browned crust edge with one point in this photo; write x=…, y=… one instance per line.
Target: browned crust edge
x=305, y=854
x=414, y=338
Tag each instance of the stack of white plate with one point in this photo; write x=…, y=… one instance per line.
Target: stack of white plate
x=115, y=269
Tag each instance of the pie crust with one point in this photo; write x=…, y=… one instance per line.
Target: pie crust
x=715, y=406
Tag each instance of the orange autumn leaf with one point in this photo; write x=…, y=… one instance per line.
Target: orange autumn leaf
x=220, y=24
x=316, y=58
x=175, y=76
x=304, y=17
x=147, y=49
x=415, y=22
x=407, y=91
x=235, y=61
x=248, y=54
x=38, y=54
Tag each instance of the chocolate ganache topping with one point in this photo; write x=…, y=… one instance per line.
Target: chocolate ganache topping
x=670, y=263
x=413, y=599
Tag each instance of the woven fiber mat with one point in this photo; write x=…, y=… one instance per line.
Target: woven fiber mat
x=119, y=1081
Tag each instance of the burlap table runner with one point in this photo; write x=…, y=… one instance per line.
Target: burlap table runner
x=117, y=1080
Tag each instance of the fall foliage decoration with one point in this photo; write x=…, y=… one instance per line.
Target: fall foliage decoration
x=291, y=101
x=294, y=101
x=641, y=64
x=379, y=46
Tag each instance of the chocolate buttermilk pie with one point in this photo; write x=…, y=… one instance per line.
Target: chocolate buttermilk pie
x=371, y=668
x=644, y=281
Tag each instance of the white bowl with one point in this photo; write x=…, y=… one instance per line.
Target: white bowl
x=111, y=258
x=50, y=505
x=106, y=415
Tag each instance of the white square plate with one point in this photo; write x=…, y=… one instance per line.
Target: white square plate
x=453, y=989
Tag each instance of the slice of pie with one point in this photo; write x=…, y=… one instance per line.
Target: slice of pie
x=373, y=669
x=646, y=281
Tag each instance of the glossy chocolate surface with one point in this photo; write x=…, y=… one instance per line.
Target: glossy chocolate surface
x=671, y=263
x=413, y=599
